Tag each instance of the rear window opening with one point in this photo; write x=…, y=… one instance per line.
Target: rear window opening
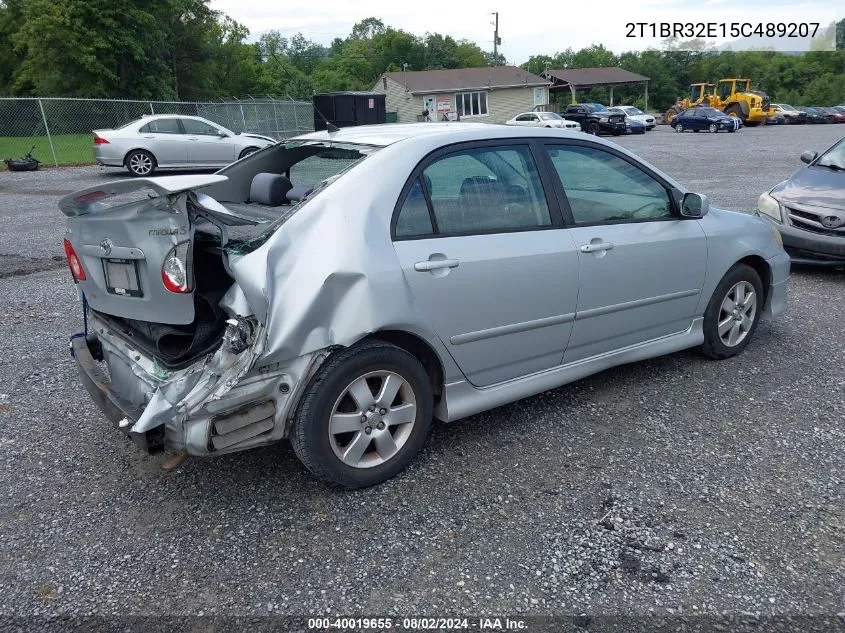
x=268, y=188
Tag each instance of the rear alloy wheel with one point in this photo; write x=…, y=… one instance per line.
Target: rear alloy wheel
x=364, y=416
x=713, y=128
x=733, y=313
x=679, y=127
x=140, y=162
x=247, y=152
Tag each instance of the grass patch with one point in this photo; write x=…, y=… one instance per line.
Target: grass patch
x=71, y=149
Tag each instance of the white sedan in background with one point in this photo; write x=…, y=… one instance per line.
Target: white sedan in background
x=544, y=119
x=635, y=114
x=173, y=142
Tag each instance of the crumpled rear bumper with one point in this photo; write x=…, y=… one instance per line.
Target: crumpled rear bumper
x=119, y=411
x=219, y=404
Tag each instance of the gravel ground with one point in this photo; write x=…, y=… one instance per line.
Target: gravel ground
x=678, y=486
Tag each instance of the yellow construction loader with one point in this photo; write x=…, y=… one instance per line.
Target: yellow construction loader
x=698, y=94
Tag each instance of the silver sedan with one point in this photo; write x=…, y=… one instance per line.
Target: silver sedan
x=345, y=288
x=173, y=142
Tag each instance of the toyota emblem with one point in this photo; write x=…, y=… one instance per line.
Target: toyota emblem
x=832, y=222
x=105, y=246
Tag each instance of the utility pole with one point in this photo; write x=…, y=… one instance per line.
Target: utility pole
x=496, y=40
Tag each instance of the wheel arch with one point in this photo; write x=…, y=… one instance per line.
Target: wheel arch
x=422, y=350
x=139, y=149
x=761, y=267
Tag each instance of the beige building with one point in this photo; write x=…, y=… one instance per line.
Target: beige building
x=491, y=94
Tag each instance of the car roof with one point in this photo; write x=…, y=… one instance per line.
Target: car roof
x=386, y=134
x=152, y=117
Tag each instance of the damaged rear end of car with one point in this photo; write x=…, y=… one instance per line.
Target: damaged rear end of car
x=170, y=343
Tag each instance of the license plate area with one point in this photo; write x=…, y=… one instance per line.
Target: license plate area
x=122, y=277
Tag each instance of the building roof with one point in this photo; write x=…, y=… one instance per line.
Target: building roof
x=459, y=79
x=579, y=77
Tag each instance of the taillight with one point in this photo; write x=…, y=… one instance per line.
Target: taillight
x=99, y=140
x=73, y=261
x=176, y=272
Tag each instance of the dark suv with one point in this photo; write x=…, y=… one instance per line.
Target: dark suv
x=595, y=118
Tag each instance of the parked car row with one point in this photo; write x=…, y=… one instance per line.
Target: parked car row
x=805, y=114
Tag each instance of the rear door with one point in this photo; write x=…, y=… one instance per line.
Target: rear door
x=494, y=273
x=164, y=138
x=205, y=144
x=641, y=265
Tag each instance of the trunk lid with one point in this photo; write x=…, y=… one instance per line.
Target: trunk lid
x=123, y=232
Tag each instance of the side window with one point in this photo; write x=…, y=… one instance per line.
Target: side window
x=193, y=126
x=162, y=126
x=413, y=217
x=487, y=189
x=523, y=117
x=145, y=129
x=602, y=187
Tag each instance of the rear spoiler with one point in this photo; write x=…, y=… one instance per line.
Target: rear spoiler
x=86, y=201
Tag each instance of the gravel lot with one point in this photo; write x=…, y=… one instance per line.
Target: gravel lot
x=678, y=486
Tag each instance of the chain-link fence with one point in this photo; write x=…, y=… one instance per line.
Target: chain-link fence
x=60, y=129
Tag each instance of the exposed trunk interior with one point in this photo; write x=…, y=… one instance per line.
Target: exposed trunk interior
x=175, y=346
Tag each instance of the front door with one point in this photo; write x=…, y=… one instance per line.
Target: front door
x=493, y=276
x=206, y=146
x=641, y=266
x=430, y=104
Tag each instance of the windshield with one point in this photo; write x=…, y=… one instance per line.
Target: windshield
x=710, y=112
x=786, y=107
x=834, y=157
x=595, y=107
x=632, y=110
x=548, y=116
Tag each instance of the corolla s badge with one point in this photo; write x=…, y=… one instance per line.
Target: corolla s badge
x=832, y=222
x=106, y=246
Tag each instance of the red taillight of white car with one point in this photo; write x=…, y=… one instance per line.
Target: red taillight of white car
x=176, y=272
x=76, y=268
x=99, y=140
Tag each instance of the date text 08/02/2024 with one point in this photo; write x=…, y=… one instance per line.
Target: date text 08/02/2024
x=721, y=29
x=417, y=624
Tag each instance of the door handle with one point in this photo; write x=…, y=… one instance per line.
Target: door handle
x=435, y=264
x=149, y=137
x=597, y=247
x=193, y=138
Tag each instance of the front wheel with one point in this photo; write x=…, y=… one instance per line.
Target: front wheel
x=364, y=416
x=733, y=313
x=140, y=162
x=713, y=128
x=679, y=128
x=593, y=128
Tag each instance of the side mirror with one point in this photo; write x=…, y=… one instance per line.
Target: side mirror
x=694, y=205
x=222, y=134
x=808, y=157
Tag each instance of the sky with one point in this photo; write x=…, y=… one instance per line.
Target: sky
x=526, y=28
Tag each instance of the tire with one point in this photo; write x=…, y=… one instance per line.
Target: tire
x=742, y=322
x=679, y=128
x=736, y=111
x=140, y=163
x=713, y=128
x=593, y=128
x=328, y=393
x=246, y=152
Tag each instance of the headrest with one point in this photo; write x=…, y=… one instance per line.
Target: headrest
x=269, y=189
